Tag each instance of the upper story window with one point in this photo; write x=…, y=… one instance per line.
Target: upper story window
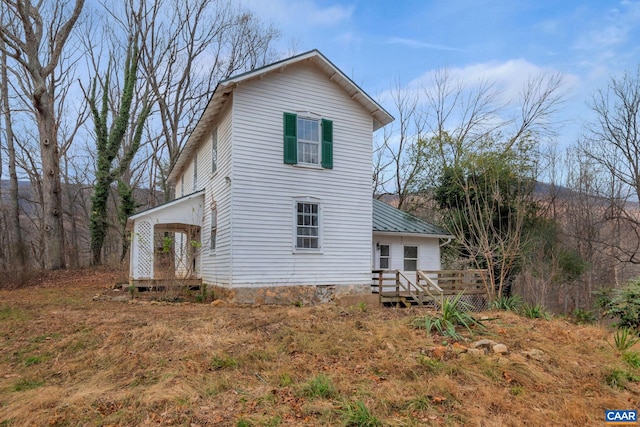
x=195, y=171
x=214, y=151
x=182, y=185
x=308, y=140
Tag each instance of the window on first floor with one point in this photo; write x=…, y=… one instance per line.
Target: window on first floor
x=307, y=225
x=410, y=258
x=384, y=256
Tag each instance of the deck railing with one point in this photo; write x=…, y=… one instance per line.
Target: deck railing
x=431, y=285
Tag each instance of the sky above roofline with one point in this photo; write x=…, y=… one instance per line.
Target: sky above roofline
x=380, y=44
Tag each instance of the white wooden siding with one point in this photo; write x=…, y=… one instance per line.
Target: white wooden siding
x=215, y=266
x=264, y=188
x=428, y=251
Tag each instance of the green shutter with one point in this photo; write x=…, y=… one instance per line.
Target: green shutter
x=290, y=139
x=327, y=144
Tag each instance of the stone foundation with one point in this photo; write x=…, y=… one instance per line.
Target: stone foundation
x=287, y=295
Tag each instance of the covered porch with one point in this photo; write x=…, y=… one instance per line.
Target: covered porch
x=166, y=241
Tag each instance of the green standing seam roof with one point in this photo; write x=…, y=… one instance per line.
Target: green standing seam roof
x=388, y=219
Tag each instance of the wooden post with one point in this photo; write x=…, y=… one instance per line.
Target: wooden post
x=380, y=287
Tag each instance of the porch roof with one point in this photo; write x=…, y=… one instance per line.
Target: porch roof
x=387, y=219
x=183, y=210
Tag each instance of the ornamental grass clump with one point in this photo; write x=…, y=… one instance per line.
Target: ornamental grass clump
x=453, y=313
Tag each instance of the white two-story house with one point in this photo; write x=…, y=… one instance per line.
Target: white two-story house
x=273, y=192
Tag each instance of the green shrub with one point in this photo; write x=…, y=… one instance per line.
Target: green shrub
x=453, y=313
x=507, y=303
x=624, y=339
x=622, y=304
x=584, y=317
x=536, y=311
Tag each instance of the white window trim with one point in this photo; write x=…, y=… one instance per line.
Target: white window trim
x=316, y=117
x=214, y=158
x=294, y=223
x=195, y=171
x=379, y=253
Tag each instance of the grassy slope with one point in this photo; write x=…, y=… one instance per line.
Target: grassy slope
x=68, y=360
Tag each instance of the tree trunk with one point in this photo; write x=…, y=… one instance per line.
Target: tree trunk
x=51, y=188
x=17, y=254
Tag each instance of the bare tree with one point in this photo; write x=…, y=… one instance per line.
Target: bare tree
x=17, y=255
x=399, y=163
x=188, y=48
x=34, y=37
x=614, y=145
x=488, y=165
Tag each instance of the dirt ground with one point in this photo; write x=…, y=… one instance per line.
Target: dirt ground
x=75, y=352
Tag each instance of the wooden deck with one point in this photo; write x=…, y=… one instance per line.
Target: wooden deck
x=429, y=287
x=160, y=285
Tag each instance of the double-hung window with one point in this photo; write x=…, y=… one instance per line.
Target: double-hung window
x=384, y=256
x=308, y=140
x=307, y=225
x=410, y=258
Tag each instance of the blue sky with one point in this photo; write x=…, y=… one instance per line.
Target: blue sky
x=379, y=42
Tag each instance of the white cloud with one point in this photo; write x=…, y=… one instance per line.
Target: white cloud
x=509, y=76
x=611, y=30
x=419, y=44
x=300, y=14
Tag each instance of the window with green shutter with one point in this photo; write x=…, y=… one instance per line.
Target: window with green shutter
x=308, y=141
x=290, y=139
x=327, y=144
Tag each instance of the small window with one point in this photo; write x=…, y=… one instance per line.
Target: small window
x=384, y=256
x=410, y=258
x=195, y=171
x=214, y=151
x=308, y=141
x=182, y=185
x=307, y=226
x=214, y=226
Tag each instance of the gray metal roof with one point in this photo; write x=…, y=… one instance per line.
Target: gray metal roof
x=388, y=219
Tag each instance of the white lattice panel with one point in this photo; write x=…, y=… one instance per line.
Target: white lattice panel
x=145, y=245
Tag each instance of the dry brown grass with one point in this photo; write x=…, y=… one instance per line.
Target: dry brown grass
x=69, y=360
